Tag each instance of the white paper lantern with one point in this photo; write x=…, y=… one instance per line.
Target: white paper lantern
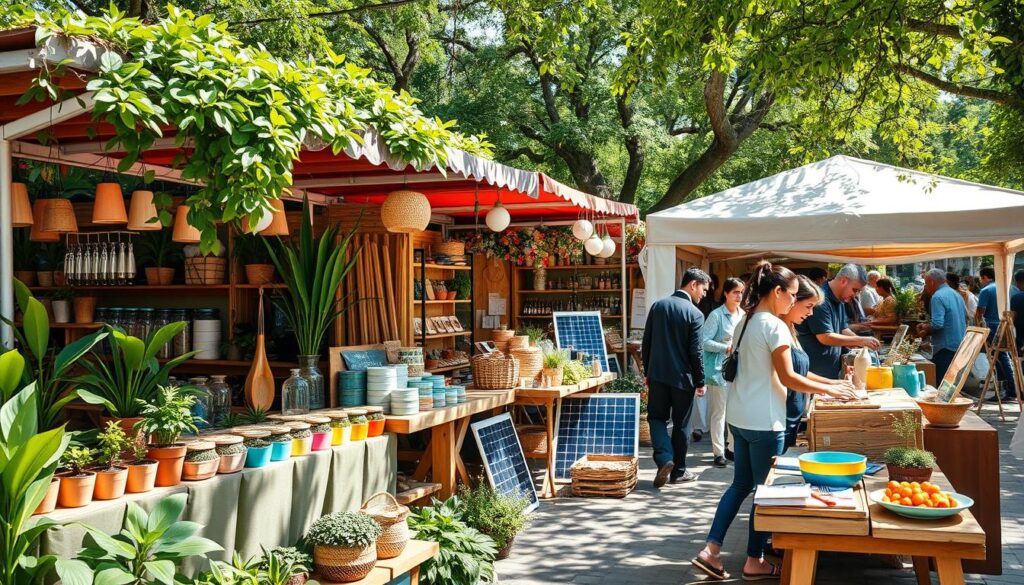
x=498, y=218
x=593, y=245
x=607, y=247
x=582, y=229
x=263, y=223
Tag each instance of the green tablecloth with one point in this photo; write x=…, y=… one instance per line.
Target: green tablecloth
x=271, y=506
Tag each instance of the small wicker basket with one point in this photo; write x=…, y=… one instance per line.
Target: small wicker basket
x=519, y=341
x=495, y=371
x=531, y=361
x=259, y=273
x=205, y=270
x=344, y=564
x=392, y=519
x=502, y=335
x=451, y=248
x=534, y=439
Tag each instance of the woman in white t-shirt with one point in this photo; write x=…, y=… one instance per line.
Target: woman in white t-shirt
x=756, y=410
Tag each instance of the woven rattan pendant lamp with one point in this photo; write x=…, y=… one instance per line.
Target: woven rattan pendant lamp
x=59, y=217
x=21, y=208
x=405, y=212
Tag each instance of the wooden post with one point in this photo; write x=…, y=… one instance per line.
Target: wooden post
x=442, y=449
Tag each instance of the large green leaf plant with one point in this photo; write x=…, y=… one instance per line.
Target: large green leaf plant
x=130, y=378
x=313, y=270
x=49, y=369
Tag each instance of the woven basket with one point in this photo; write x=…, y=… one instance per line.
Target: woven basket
x=392, y=518
x=604, y=475
x=645, y=432
x=405, y=212
x=205, y=270
x=534, y=439
x=502, y=335
x=451, y=248
x=259, y=273
x=344, y=564
x=531, y=361
x=495, y=371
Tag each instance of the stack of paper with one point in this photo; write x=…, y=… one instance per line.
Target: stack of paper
x=782, y=495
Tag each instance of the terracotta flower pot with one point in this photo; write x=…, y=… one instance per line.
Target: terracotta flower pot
x=45, y=278
x=169, y=463
x=85, y=309
x=141, y=476
x=159, y=276
x=259, y=273
x=50, y=499
x=200, y=470
x=553, y=376
x=917, y=474
x=76, y=490
x=505, y=550
x=26, y=276
x=110, y=483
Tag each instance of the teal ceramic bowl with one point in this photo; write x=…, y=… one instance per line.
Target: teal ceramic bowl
x=923, y=513
x=835, y=469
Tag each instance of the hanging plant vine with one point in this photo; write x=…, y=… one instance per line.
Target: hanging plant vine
x=242, y=113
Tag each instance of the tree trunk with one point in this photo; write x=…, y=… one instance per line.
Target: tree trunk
x=693, y=175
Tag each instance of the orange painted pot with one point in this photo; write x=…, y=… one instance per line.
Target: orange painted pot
x=110, y=483
x=50, y=499
x=76, y=491
x=141, y=477
x=169, y=463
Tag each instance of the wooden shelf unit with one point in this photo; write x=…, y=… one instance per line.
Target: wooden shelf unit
x=425, y=308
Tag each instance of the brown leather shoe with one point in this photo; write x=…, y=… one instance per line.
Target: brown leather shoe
x=663, y=474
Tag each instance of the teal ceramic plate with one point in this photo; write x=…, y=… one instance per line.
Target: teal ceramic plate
x=922, y=513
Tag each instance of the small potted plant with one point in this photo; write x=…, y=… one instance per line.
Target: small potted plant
x=500, y=516
x=141, y=469
x=252, y=254
x=158, y=253
x=533, y=334
x=201, y=461
x=462, y=284
x=49, y=502
x=555, y=360
x=164, y=422
x=908, y=463
x=344, y=545
x=85, y=308
x=287, y=562
x=111, y=477
x=60, y=303
x=77, y=483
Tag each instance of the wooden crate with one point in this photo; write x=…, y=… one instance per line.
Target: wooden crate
x=865, y=431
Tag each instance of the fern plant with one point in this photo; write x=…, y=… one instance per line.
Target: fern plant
x=466, y=556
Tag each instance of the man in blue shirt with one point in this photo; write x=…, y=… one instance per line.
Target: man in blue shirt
x=826, y=333
x=1017, y=306
x=988, y=314
x=948, y=324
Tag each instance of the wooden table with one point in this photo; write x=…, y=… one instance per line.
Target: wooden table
x=946, y=541
x=550, y=399
x=415, y=554
x=867, y=431
x=448, y=427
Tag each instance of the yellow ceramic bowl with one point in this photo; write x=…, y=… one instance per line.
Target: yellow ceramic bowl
x=879, y=378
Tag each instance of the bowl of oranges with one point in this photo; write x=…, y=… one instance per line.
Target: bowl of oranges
x=920, y=500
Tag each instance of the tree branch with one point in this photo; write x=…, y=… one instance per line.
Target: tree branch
x=714, y=92
x=1005, y=99
x=678, y=130
x=356, y=9
x=925, y=26
x=526, y=151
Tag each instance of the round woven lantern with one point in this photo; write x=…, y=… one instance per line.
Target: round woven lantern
x=39, y=210
x=59, y=216
x=405, y=212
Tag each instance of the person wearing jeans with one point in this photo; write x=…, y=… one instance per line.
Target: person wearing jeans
x=987, y=313
x=756, y=411
x=718, y=338
x=948, y=323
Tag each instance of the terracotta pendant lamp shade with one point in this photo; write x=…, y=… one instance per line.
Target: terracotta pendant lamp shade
x=59, y=216
x=39, y=210
x=279, y=225
x=141, y=211
x=21, y=209
x=109, y=206
x=184, y=233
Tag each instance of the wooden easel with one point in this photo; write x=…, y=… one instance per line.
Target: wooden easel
x=1004, y=340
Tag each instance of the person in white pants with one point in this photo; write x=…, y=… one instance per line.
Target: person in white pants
x=718, y=342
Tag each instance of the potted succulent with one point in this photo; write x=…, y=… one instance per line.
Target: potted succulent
x=111, y=477
x=60, y=304
x=201, y=461
x=344, y=545
x=908, y=463
x=253, y=255
x=141, y=469
x=77, y=483
x=500, y=516
x=159, y=253
x=555, y=360
x=285, y=566
x=164, y=422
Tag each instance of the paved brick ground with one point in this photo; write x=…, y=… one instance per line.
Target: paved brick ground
x=650, y=536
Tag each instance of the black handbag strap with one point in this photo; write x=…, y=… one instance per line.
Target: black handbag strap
x=746, y=322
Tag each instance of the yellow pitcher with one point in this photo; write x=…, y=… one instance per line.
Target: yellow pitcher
x=879, y=378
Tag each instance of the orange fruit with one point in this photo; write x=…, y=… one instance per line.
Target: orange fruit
x=930, y=488
x=942, y=504
x=952, y=502
x=893, y=486
x=917, y=498
x=915, y=486
x=886, y=499
x=928, y=504
x=906, y=492
x=904, y=484
x=906, y=502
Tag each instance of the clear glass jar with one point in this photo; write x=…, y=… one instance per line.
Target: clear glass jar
x=145, y=322
x=220, y=398
x=310, y=372
x=295, y=394
x=161, y=319
x=201, y=408
x=182, y=342
x=127, y=323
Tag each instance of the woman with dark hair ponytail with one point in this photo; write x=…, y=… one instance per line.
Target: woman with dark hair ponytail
x=756, y=410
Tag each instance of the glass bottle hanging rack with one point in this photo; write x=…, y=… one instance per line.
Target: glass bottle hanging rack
x=99, y=258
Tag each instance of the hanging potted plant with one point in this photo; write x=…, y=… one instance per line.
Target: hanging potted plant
x=313, y=271
x=252, y=254
x=159, y=255
x=141, y=469
x=164, y=422
x=344, y=545
x=111, y=476
x=77, y=483
x=908, y=463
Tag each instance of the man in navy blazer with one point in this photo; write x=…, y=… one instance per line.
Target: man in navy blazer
x=674, y=365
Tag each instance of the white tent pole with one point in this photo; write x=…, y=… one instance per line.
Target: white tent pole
x=6, y=245
x=1004, y=274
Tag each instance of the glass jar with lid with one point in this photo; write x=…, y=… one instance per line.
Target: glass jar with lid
x=128, y=317
x=302, y=438
x=220, y=398
x=162, y=318
x=360, y=424
x=340, y=425
x=294, y=394
x=145, y=322
x=375, y=420
x=201, y=408
x=280, y=442
x=182, y=342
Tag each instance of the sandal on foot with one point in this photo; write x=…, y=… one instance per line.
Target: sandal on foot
x=711, y=570
x=774, y=573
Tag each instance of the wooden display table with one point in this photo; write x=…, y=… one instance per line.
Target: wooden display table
x=867, y=431
x=926, y=366
x=415, y=554
x=448, y=428
x=550, y=399
x=946, y=541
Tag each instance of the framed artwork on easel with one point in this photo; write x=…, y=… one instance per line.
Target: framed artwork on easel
x=963, y=360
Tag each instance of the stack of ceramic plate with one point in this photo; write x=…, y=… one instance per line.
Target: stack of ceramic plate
x=437, y=379
x=439, y=397
x=460, y=392
x=413, y=380
x=206, y=338
x=451, y=395
x=410, y=355
x=380, y=382
x=352, y=388
x=426, y=394
x=405, y=401
x=401, y=375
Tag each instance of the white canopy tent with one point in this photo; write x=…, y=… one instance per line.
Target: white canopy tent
x=840, y=209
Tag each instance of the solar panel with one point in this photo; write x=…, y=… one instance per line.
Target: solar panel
x=582, y=331
x=595, y=424
x=503, y=458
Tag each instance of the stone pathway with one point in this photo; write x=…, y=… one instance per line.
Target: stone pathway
x=650, y=536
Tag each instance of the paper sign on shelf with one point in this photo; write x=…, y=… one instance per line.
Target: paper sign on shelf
x=495, y=304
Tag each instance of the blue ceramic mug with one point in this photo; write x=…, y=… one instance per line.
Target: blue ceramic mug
x=908, y=377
